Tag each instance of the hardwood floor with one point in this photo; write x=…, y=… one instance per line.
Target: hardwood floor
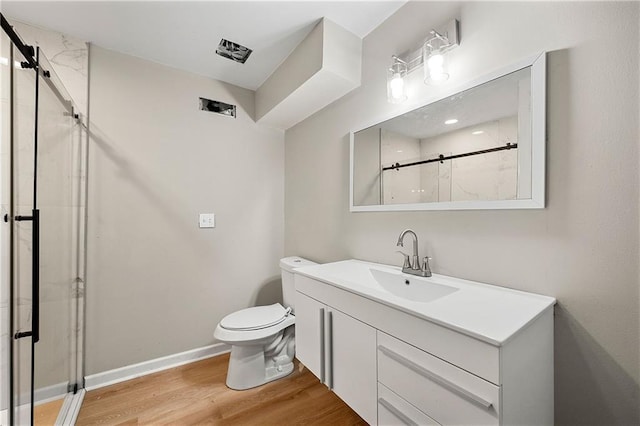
x=46, y=414
x=195, y=394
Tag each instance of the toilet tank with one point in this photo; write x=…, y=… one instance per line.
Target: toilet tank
x=287, y=265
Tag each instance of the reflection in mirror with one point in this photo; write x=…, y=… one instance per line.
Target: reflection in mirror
x=466, y=150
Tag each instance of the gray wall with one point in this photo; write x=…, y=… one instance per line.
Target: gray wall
x=156, y=283
x=582, y=249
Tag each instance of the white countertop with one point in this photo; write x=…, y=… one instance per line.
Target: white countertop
x=487, y=312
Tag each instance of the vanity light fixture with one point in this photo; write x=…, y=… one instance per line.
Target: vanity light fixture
x=430, y=55
x=451, y=121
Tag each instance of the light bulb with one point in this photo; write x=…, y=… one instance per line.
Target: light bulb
x=396, y=90
x=436, y=67
x=396, y=85
x=436, y=60
x=434, y=70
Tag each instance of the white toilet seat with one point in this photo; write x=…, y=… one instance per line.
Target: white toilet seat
x=264, y=326
x=255, y=318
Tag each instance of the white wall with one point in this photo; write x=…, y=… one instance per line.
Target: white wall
x=582, y=248
x=156, y=283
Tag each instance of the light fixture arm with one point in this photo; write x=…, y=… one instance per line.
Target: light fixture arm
x=437, y=36
x=397, y=63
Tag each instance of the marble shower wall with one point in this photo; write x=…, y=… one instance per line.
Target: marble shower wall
x=491, y=176
x=399, y=186
x=68, y=56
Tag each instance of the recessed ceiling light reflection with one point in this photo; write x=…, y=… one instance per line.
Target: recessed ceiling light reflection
x=5, y=61
x=451, y=121
x=477, y=132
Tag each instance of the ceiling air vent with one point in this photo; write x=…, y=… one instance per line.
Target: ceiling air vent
x=217, y=107
x=234, y=51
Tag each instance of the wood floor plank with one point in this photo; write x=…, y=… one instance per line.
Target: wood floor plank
x=196, y=394
x=46, y=414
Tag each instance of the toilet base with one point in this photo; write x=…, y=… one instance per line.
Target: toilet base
x=254, y=365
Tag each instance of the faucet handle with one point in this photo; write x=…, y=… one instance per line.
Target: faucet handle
x=407, y=262
x=426, y=270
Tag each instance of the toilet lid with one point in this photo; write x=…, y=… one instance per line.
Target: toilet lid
x=255, y=318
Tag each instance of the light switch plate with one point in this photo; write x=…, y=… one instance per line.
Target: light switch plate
x=207, y=220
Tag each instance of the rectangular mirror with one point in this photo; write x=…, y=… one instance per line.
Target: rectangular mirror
x=480, y=147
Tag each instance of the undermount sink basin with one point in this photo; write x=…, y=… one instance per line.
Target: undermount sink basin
x=416, y=289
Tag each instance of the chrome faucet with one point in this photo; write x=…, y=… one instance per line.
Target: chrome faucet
x=413, y=266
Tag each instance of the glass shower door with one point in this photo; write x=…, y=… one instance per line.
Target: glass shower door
x=57, y=205
x=42, y=242
x=5, y=231
x=21, y=151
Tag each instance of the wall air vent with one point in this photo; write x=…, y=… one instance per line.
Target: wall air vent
x=234, y=51
x=217, y=107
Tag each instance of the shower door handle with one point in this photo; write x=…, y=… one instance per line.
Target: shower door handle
x=35, y=277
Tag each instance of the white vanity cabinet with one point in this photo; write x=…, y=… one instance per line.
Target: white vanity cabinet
x=340, y=351
x=452, y=363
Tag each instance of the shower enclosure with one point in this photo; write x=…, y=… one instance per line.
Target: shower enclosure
x=42, y=238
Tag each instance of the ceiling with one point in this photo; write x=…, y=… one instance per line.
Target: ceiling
x=185, y=34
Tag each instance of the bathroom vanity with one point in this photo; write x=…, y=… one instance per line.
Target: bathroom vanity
x=398, y=348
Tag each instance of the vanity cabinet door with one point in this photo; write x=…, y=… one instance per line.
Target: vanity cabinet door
x=310, y=335
x=351, y=353
x=340, y=351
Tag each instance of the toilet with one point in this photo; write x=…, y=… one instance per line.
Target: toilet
x=262, y=338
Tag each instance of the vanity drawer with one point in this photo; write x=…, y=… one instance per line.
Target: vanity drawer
x=393, y=410
x=448, y=394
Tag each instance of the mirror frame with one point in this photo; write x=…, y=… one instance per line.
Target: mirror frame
x=538, y=146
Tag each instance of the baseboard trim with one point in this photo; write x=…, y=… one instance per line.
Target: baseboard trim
x=51, y=393
x=133, y=371
x=44, y=394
